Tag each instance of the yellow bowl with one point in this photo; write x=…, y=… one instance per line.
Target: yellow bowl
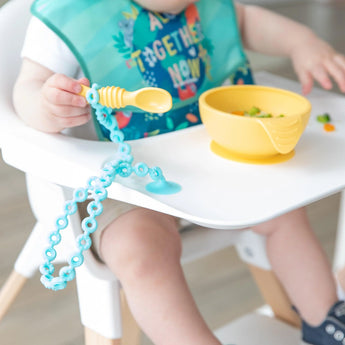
x=252, y=139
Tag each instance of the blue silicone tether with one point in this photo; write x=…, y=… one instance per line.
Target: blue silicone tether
x=96, y=192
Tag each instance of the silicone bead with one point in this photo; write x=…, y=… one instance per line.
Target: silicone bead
x=46, y=281
x=61, y=222
x=124, y=148
x=92, y=95
x=70, y=207
x=103, y=113
x=99, y=194
x=55, y=238
x=50, y=254
x=59, y=285
x=47, y=268
x=80, y=194
x=67, y=273
x=76, y=260
x=156, y=173
x=141, y=169
x=94, y=182
x=52, y=283
x=89, y=225
x=110, y=122
x=117, y=137
x=94, y=208
x=84, y=242
x=106, y=180
x=109, y=168
x=125, y=169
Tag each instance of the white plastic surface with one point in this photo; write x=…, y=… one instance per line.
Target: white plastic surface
x=244, y=194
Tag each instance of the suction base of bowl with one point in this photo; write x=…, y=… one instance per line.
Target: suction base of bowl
x=225, y=153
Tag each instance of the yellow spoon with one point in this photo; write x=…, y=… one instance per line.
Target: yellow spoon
x=150, y=99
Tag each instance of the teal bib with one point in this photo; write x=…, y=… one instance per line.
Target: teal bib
x=119, y=43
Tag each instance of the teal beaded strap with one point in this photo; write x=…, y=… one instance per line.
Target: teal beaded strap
x=96, y=190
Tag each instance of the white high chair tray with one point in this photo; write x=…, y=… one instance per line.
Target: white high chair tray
x=215, y=192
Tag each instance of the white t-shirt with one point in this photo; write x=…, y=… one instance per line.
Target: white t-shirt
x=44, y=46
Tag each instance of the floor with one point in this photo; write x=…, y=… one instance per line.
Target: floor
x=41, y=317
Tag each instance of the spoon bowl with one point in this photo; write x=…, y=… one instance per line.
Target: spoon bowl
x=150, y=99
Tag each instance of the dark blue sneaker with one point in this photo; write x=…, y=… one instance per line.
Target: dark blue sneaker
x=330, y=332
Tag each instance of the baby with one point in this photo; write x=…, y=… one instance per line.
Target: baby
x=186, y=47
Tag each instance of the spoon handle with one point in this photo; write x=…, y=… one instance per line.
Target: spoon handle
x=110, y=96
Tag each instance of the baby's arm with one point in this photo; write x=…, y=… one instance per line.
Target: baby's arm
x=272, y=34
x=48, y=101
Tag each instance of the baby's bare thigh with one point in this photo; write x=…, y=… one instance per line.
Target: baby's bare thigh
x=124, y=217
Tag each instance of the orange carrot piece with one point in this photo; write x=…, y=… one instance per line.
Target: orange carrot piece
x=328, y=127
x=238, y=112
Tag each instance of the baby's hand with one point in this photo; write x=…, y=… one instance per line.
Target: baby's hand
x=62, y=104
x=316, y=59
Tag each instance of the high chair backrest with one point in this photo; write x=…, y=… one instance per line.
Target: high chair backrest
x=15, y=16
x=14, y=19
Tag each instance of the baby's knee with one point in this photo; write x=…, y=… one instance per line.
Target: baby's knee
x=138, y=241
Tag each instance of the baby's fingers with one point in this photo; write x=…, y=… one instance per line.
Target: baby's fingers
x=66, y=111
x=64, y=98
x=337, y=72
x=61, y=81
x=320, y=74
x=67, y=117
x=73, y=121
x=340, y=60
x=84, y=81
x=306, y=81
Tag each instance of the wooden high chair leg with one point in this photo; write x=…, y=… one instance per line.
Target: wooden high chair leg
x=10, y=290
x=93, y=338
x=274, y=295
x=130, y=329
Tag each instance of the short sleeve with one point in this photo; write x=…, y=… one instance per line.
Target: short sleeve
x=45, y=47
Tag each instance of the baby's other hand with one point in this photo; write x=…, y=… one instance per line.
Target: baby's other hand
x=62, y=104
x=315, y=59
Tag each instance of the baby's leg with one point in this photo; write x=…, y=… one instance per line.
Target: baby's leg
x=300, y=264
x=143, y=249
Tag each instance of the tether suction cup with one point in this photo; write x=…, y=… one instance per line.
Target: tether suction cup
x=163, y=187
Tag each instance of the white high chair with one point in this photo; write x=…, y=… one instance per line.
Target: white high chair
x=54, y=164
